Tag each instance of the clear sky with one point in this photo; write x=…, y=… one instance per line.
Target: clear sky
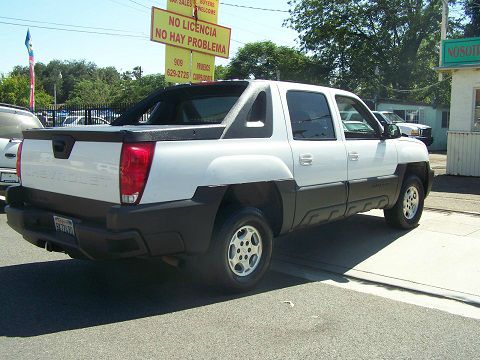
x=130, y=18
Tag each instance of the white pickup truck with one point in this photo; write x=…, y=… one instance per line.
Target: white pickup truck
x=215, y=173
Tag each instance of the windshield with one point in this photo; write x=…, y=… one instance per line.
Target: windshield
x=393, y=118
x=12, y=125
x=185, y=105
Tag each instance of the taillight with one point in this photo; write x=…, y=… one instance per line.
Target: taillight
x=19, y=161
x=135, y=163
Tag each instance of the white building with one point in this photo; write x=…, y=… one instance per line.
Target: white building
x=461, y=59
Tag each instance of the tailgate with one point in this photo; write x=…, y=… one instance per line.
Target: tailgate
x=91, y=170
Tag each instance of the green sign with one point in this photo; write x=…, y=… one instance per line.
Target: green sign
x=458, y=52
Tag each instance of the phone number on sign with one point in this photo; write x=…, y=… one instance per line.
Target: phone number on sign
x=178, y=73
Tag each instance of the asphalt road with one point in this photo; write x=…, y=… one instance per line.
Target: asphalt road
x=53, y=307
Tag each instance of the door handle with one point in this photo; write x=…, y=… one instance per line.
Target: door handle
x=353, y=156
x=10, y=156
x=306, y=159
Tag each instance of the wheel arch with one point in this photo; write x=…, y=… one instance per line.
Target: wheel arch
x=421, y=170
x=275, y=199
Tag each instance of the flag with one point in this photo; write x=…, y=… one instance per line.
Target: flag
x=31, y=61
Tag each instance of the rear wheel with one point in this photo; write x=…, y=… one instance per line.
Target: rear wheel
x=409, y=206
x=241, y=250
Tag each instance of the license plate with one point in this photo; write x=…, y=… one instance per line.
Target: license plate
x=8, y=178
x=64, y=225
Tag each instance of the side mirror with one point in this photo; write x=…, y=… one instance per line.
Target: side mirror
x=391, y=131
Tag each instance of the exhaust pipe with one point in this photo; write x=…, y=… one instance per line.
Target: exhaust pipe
x=51, y=247
x=48, y=246
x=173, y=261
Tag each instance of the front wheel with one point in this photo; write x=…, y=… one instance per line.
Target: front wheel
x=241, y=250
x=409, y=206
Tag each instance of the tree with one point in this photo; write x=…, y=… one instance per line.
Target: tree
x=221, y=72
x=265, y=60
x=472, y=10
x=354, y=38
x=93, y=92
x=134, y=90
x=15, y=90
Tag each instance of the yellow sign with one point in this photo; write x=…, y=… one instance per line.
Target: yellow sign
x=178, y=62
x=177, y=65
x=203, y=66
x=186, y=32
x=207, y=10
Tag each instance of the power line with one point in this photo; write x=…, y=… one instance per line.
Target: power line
x=142, y=5
x=415, y=90
x=74, y=26
x=252, y=7
x=75, y=30
x=240, y=42
x=126, y=5
x=87, y=32
x=227, y=4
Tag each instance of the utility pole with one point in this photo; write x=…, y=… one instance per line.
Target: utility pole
x=443, y=32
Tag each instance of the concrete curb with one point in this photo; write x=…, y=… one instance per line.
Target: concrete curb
x=472, y=213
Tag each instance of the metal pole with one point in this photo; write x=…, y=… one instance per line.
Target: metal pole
x=443, y=32
x=55, y=95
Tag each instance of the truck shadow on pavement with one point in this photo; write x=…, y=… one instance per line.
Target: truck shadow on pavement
x=49, y=297
x=337, y=247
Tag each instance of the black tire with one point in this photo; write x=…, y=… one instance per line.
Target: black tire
x=396, y=216
x=215, y=265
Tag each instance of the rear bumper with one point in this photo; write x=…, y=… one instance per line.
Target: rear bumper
x=91, y=242
x=128, y=231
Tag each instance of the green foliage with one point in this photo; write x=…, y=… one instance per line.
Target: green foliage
x=133, y=90
x=15, y=89
x=354, y=38
x=221, y=72
x=81, y=82
x=95, y=91
x=472, y=10
x=265, y=60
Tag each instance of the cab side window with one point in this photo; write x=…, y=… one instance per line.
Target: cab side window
x=357, y=122
x=310, y=116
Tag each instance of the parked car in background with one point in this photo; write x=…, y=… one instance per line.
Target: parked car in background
x=13, y=120
x=417, y=131
x=357, y=126
x=81, y=120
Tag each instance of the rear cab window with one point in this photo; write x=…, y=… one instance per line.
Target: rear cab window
x=186, y=105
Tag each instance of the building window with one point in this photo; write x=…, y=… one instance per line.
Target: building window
x=400, y=113
x=412, y=116
x=476, y=114
x=445, y=119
